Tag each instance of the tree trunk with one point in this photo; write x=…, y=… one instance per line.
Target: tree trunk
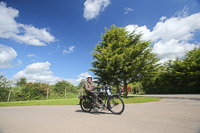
x=117, y=86
x=9, y=95
x=125, y=88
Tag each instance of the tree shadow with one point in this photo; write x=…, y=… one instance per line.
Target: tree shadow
x=94, y=112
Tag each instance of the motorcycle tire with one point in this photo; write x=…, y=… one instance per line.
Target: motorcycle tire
x=116, y=105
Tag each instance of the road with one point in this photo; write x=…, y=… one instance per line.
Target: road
x=165, y=116
x=174, y=96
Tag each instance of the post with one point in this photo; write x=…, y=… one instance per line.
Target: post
x=47, y=93
x=65, y=92
x=125, y=88
x=82, y=91
x=9, y=95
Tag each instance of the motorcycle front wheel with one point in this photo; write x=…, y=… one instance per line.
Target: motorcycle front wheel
x=116, y=105
x=86, y=104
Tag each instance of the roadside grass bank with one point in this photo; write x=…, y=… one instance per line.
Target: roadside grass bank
x=72, y=101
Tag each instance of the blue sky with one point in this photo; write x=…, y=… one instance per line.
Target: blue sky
x=51, y=40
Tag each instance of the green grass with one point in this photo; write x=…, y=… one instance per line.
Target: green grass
x=68, y=101
x=132, y=99
x=71, y=101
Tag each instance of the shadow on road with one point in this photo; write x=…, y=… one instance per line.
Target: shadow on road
x=93, y=112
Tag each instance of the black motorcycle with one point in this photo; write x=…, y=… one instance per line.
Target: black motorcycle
x=106, y=101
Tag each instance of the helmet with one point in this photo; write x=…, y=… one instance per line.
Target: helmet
x=89, y=77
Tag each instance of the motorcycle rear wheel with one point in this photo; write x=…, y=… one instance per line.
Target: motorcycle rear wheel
x=86, y=104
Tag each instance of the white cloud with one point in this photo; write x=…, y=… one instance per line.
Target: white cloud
x=31, y=55
x=127, y=10
x=40, y=72
x=7, y=55
x=171, y=49
x=70, y=50
x=183, y=13
x=163, y=18
x=19, y=62
x=171, y=37
x=140, y=29
x=78, y=78
x=21, y=33
x=92, y=8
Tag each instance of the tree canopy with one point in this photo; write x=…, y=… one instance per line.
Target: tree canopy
x=122, y=57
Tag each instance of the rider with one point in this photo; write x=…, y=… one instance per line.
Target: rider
x=89, y=87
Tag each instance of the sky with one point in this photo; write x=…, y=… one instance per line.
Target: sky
x=51, y=40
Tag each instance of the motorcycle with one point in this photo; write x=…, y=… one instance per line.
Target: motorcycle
x=105, y=101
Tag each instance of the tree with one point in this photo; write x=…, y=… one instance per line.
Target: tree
x=122, y=57
x=62, y=87
x=31, y=91
x=4, y=89
x=22, y=81
x=81, y=84
x=80, y=87
x=180, y=75
x=192, y=69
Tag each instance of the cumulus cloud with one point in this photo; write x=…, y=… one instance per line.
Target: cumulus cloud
x=22, y=33
x=172, y=49
x=171, y=36
x=147, y=35
x=69, y=50
x=78, y=78
x=7, y=55
x=40, y=72
x=127, y=10
x=92, y=8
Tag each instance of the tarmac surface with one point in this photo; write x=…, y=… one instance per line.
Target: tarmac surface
x=174, y=96
x=169, y=115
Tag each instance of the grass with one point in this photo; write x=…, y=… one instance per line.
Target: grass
x=68, y=101
x=132, y=99
x=71, y=101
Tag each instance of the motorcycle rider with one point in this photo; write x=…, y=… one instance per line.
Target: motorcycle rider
x=89, y=88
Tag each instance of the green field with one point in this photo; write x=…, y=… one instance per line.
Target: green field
x=71, y=101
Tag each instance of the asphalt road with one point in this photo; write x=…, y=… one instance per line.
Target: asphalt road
x=165, y=116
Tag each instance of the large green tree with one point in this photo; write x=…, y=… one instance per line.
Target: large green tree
x=122, y=57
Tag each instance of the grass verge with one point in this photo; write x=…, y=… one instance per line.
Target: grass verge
x=71, y=101
x=132, y=99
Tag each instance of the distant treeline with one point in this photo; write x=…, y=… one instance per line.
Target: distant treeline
x=178, y=77
x=36, y=90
